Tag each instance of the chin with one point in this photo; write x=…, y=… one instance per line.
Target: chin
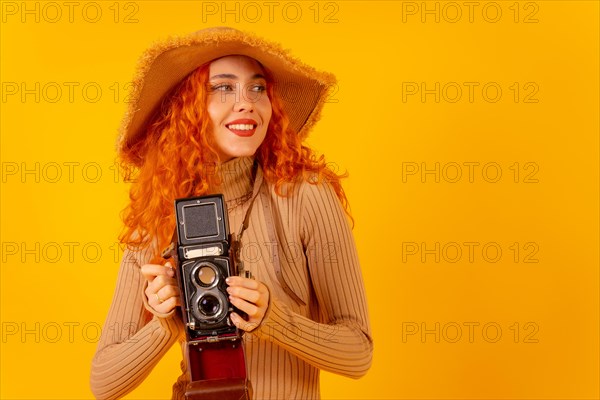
x=240, y=153
x=239, y=147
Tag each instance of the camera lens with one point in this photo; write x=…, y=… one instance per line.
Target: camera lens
x=209, y=305
x=206, y=275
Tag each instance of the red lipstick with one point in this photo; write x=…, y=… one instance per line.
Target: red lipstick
x=243, y=127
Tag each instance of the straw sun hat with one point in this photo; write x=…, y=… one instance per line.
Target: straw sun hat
x=303, y=89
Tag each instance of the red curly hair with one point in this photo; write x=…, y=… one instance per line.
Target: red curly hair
x=180, y=161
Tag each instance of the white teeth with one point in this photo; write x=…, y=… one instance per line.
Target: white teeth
x=241, y=127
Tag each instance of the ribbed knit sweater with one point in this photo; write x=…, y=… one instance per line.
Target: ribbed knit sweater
x=323, y=324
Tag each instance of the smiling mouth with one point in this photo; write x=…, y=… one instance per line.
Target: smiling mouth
x=241, y=127
x=242, y=130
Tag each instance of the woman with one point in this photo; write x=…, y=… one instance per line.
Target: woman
x=206, y=109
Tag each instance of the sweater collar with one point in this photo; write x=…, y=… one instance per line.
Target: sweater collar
x=236, y=178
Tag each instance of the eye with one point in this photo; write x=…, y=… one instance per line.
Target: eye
x=259, y=88
x=222, y=87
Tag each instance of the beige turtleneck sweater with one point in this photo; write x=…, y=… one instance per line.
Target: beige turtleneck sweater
x=323, y=324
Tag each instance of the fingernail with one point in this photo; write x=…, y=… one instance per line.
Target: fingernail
x=228, y=280
x=171, y=273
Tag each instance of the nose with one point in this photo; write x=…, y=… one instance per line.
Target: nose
x=243, y=103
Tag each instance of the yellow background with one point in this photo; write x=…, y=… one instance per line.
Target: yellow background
x=376, y=129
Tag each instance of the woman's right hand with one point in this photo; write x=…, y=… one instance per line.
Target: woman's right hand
x=162, y=290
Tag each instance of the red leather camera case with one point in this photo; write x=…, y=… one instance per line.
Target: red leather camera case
x=217, y=371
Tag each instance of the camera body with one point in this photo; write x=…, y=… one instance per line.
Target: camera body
x=203, y=263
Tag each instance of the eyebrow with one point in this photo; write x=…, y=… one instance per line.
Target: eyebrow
x=232, y=76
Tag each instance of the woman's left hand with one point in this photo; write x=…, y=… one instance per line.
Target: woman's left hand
x=250, y=296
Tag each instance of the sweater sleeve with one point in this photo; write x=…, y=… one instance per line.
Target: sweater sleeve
x=133, y=340
x=341, y=341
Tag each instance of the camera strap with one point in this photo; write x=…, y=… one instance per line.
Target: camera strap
x=258, y=178
x=236, y=240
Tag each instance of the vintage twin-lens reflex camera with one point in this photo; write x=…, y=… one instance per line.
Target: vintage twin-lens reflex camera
x=204, y=264
x=205, y=256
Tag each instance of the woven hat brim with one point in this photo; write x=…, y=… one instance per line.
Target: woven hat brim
x=303, y=89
